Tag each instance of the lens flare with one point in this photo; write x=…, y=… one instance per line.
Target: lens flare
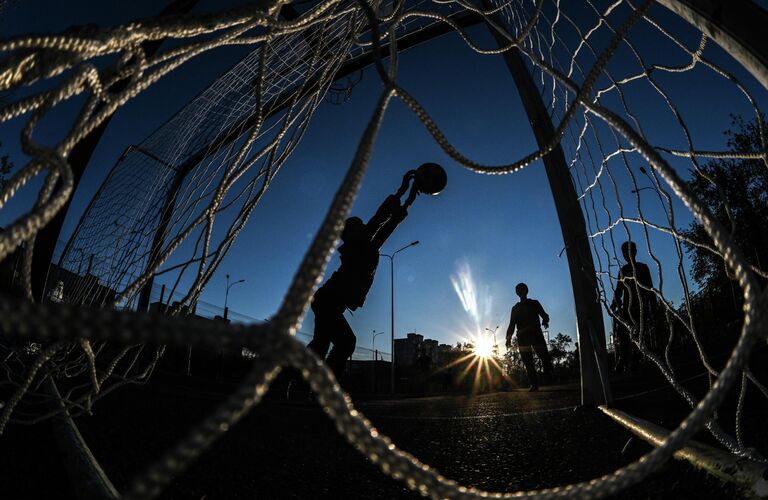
x=484, y=346
x=480, y=362
x=475, y=301
x=480, y=358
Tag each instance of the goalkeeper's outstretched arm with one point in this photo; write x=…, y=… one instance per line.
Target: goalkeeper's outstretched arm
x=391, y=213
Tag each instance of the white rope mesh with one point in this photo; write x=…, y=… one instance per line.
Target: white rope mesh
x=213, y=161
x=606, y=169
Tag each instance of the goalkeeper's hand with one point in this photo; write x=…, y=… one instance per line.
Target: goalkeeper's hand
x=407, y=178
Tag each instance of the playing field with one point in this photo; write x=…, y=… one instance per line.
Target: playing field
x=289, y=449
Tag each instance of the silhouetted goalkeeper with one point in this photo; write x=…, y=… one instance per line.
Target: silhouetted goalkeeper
x=359, y=253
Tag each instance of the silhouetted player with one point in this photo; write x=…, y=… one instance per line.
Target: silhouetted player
x=525, y=316
x=348, y=286
x=629, y=299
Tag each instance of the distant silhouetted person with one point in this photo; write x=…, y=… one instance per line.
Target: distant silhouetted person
x=525, y=317
x=348, y=286
x=633, y=300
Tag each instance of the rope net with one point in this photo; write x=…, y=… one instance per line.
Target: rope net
x=608, y=73
x=625, y=200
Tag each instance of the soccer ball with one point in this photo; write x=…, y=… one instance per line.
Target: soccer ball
x=431, y=178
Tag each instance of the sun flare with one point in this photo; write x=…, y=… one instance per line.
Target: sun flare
x=479, y=358
x=484, y=346
x=480, y=362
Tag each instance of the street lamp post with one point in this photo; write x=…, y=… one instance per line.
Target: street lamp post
x=495, y=343
x=392, y=307
x=226, y=294
x=373, y=348
x=373, y=343
x=494, y=334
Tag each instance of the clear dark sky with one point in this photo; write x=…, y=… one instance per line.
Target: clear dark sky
x=486, y=232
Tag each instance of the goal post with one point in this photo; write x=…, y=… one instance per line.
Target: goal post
x=736, y=25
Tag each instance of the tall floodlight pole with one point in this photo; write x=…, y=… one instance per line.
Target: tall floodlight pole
x=392, y=308
x=589, y=315
x=226, y=294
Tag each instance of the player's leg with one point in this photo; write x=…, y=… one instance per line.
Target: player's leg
x=623, y=347
x=344, y=342
x=325, y=312
x=540, y=346
x=526, y=354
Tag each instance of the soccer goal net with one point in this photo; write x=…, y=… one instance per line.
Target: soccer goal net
x=628, y=95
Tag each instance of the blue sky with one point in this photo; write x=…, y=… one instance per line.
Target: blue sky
x=499, y=229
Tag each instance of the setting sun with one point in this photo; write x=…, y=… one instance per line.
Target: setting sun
x=479, y=361
x=484, y=346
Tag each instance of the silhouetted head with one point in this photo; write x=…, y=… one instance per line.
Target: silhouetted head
x=521, y=290
x=629, y=251
x=354, y=230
